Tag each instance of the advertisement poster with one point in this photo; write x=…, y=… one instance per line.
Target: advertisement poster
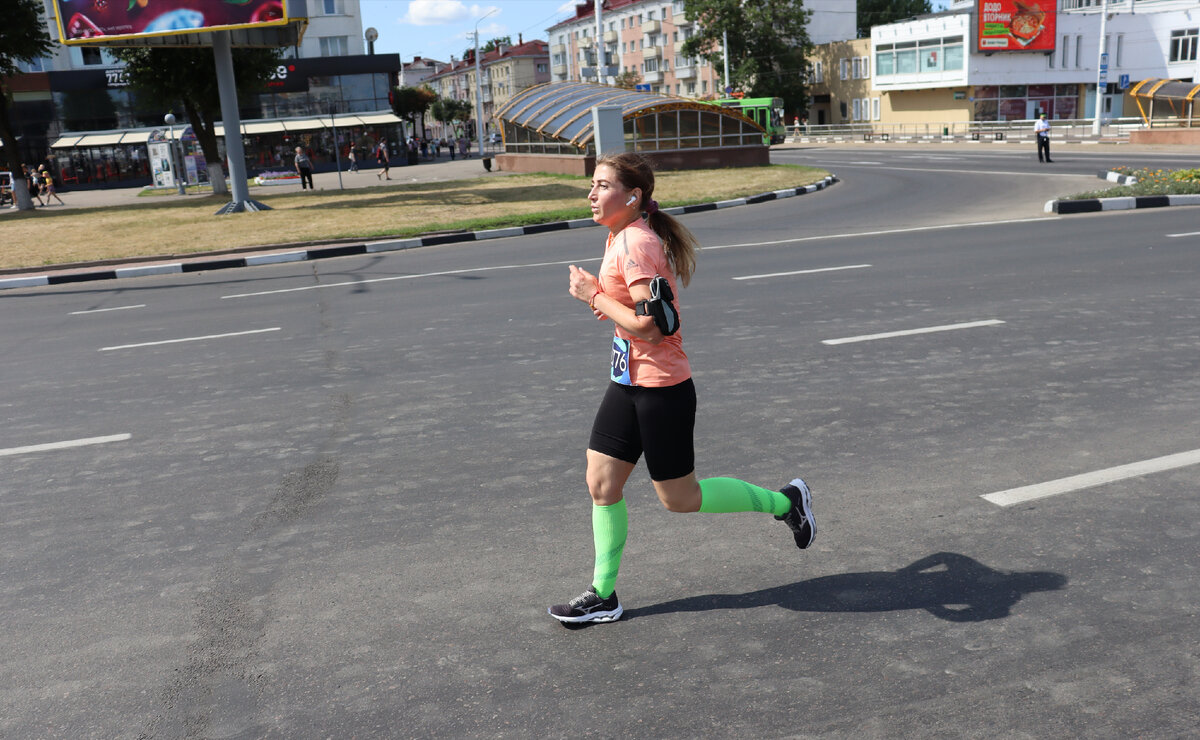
x=1014, y=25
x=79, y=20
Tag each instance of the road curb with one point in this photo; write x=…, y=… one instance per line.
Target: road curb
x=1091, y=205
x=344, y=250
x=1117, y=177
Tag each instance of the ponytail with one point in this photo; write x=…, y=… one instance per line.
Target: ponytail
x=635, y=171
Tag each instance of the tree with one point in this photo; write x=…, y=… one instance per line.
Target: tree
x=767, y=40
x=187, y=78
x=489, y=46
x=410, y=102
x=451, y=111
x=880, y=12
x=23, y=38
x=629, y=79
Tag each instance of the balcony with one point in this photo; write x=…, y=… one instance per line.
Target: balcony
x=685, y=73
x=558, y=69
x=651, y=27
x=610, y=37
x=680, y=19
x=652, y=77
x=558, y=49
x=652, y=53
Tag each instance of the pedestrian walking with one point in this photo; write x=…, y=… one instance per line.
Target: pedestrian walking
x=450, y=146
x=304, y=169
x=384, y=160
x=1041, y=129
x=649, y=406
x=31, y=184
x=353, y=160
x=48, y=185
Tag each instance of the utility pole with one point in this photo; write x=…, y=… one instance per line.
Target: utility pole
x=1101, y=69
x=599, y=42
x=479, y=88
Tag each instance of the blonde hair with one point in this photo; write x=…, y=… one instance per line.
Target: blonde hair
x=635, y=171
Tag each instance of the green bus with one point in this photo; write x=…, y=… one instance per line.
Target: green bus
x=766, y=112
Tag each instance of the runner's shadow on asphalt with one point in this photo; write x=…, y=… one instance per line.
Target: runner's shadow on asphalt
x=948, y=585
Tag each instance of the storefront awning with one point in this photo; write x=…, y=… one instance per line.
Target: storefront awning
x=136, y=137
x=261, y=127
x=304, y=124
x=371, y=119
x=66, y=141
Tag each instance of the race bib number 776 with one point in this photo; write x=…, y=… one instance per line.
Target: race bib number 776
x=620, y=361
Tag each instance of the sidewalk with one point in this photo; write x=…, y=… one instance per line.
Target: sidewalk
x=437, y=170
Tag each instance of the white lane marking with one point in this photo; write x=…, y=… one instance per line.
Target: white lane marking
x=414, y=276
x=1189, y=233
x=1091, y=480
x=189, y=339
x=910, y=332
x=959, y=172
x=65, y=445
x=577, y=261
x=800, y=272
x=103, y=310
x=885, y=232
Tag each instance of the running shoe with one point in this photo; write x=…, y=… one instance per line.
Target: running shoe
x=800, y=517
x=588, y=607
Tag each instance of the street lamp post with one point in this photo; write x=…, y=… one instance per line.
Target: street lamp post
x=176, y=159
x=479, y=87
x=1101, y=70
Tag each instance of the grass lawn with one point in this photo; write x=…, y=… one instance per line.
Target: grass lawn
x=160, y=226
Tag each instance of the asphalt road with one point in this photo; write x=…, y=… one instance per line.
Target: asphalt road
x=333, y=499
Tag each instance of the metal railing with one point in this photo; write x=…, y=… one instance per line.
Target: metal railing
x=1062, y=130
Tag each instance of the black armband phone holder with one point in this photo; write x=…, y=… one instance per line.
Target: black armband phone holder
x=660, y=306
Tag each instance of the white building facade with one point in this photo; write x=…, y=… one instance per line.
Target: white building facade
x=930, y=68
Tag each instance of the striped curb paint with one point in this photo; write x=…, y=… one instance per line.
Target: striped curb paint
x=1092, y=205
x=345, y=250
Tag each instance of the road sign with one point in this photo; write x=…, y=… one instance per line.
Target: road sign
x=642, y=87
x=1124, y=82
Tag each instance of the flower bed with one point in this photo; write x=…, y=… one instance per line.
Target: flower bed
x=1149, y=182
x=277, y=178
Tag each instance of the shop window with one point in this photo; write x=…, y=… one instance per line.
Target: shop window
x=334, y=7
x=334, y=46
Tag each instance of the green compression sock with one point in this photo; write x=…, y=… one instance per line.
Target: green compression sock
x=728, y=495
x=610, y=527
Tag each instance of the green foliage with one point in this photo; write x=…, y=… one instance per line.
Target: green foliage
x=185, y=79
x=881, y=12
x=410, y=102
x=628, y=79
x=450, y=111
x=768, y=42
x=1149, y=182
x=22, y=39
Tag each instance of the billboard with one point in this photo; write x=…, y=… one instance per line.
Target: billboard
x=83, y=21
x=1013, y=25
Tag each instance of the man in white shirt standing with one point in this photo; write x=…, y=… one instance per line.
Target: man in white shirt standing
x=1042, y=130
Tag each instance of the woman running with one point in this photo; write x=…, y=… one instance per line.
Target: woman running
x=650, y=405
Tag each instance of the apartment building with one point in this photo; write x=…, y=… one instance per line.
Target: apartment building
x=645, y=37
x=506, y=71
x=934, y=68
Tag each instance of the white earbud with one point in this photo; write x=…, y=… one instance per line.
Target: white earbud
x=631, y=201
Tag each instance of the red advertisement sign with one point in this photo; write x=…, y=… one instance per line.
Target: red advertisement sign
x=80, y=20
x=1015, y=25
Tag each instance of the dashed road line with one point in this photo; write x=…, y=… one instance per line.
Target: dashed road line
x=189, y=339
x=800, y=272
x=911, y=332
x=1091, y=480
x=50, y=446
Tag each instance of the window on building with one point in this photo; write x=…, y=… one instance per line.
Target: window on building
x=855, y=68
x=845, y=68
x=1066, y=51
x=819, y=71
x=906, y=58
x=334, y=7
x=91, y=55
x=885, y=60
x=1078, y=48
x=1183, y=45
x=875, y=109
x=952, y=50
x=857, y=110
x=334, y=46
x=866, y=67
x=1120, y=49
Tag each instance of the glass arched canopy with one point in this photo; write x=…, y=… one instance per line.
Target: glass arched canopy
x=556, y=118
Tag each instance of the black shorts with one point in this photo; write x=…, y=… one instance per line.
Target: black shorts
x=656, y=421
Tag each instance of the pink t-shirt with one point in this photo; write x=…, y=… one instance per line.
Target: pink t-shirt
x=636, y=253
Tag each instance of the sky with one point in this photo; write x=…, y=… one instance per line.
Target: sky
x=437, y=29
